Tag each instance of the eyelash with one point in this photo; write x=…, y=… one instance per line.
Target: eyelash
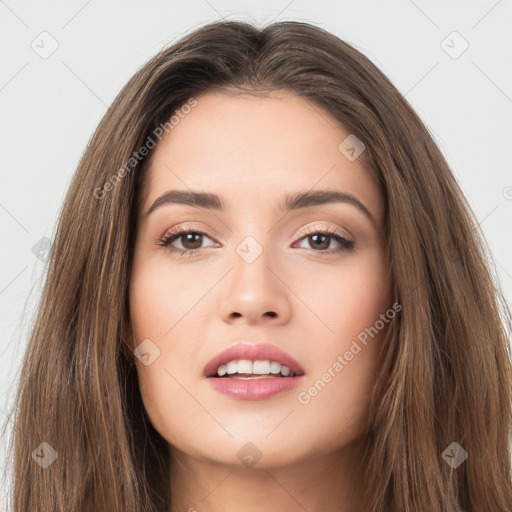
x=346, y=244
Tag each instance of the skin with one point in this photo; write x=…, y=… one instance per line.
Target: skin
x=191, y=308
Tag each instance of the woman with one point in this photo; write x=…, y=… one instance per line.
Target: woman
x=266, y=290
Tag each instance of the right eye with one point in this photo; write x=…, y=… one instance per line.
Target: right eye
x=187, y=236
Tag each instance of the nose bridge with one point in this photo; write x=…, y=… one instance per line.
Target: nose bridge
x=252, y=263
x=255, y=237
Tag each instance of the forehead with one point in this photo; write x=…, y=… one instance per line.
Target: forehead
x=257, y=149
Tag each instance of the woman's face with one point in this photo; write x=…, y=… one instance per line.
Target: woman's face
x=260, y=274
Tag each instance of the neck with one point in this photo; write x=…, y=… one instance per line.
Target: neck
x=333, y=481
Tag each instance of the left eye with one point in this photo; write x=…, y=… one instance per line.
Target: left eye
x=320, y=238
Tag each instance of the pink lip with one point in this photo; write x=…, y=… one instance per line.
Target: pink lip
x=253, y=389
x=260, y=352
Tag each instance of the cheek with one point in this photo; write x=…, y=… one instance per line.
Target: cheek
x=160, y=296
x=164, y=401
x=345, y=361
x=348, y=298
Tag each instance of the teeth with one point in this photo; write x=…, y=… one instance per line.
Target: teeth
x=275, y=367
x=261, y=367
x=258, y=367
x=232, y=367
x=244, y=366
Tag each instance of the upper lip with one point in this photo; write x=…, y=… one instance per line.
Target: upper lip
x=253, y=352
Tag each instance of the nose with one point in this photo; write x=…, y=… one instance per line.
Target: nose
x=256, y=292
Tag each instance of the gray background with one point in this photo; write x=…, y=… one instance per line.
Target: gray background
x=50, y=105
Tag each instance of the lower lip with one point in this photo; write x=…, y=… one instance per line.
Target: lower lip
x=254, y=389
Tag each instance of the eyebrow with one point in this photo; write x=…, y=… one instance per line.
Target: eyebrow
x=291, y=202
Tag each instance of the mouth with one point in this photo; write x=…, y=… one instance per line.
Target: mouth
x=253, y=372
x=247, y=369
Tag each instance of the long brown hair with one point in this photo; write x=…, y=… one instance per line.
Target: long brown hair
x=446, y=374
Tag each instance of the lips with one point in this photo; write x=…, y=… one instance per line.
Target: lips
x=264, y=351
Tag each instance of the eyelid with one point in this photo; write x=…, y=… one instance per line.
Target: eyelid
x=338, y=230
x=178, y=228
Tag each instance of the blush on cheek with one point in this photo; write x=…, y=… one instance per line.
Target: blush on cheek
x=151, y=309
